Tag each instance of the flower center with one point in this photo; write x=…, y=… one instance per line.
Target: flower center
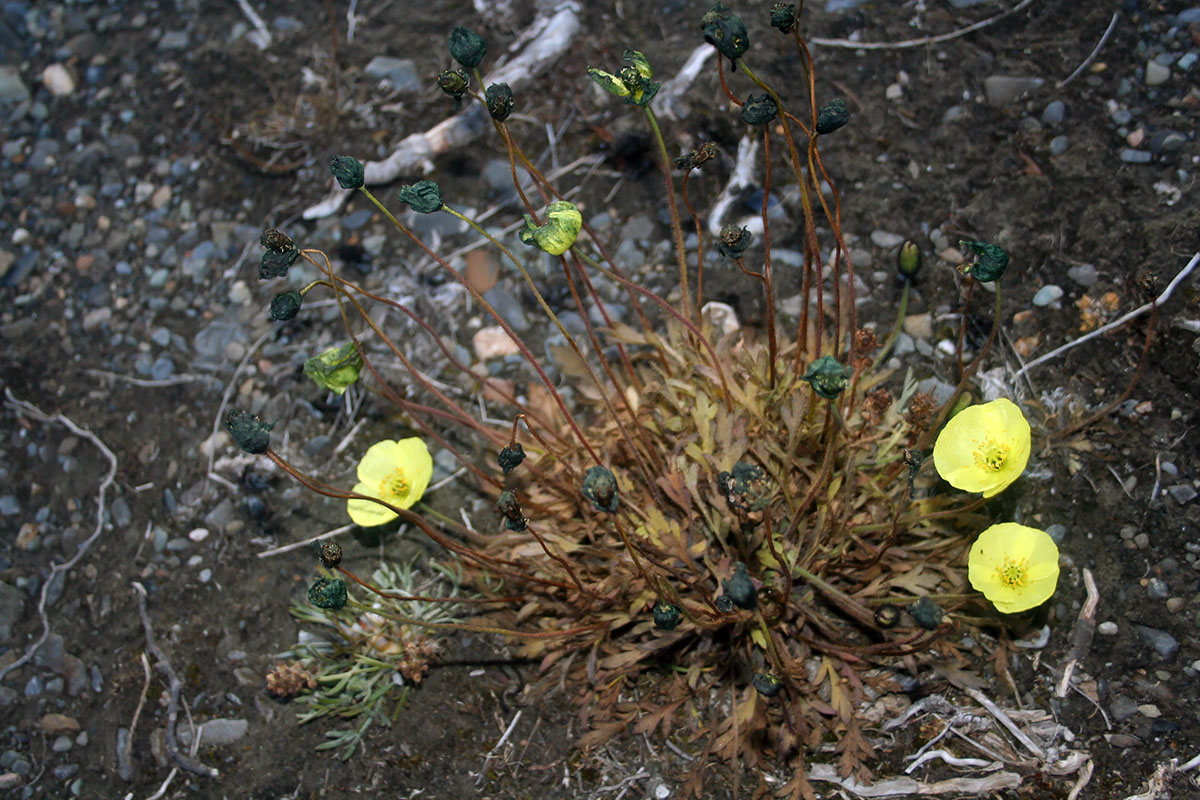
x=991, y=455
x=1013, y=573
x=394, y=485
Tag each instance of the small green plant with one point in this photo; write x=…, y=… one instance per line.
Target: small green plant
x=719, y=536
x=360, y=665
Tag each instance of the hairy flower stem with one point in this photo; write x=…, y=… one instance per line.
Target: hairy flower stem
x=673, y=210
x=772, y=345
x=895, y=332
x=683, y=192
x=529, y=357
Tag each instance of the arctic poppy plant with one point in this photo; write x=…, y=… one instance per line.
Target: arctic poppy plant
x=396, y=472
x=983, y=448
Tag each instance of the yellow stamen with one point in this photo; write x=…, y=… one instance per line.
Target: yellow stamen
x=394, y=485
x=991, y=455
x=1013, y=572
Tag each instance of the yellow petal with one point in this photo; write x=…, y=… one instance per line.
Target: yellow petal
x=414, y=461
x=378, y=463
x=1011, y=543
x=365, y=512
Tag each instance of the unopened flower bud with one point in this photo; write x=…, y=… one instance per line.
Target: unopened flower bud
x=272, y=239
x=331, y=554
x=499, y=98
x=783, y=17
x=453, y=82
x=887, y=616
x=908, y=260
x=285, y=306
x=741, y=588
x=348, y=171
x=600, y=487
x=725, y=604
x=926, y=613
x=424, y=197
x=511, y=457
x=275, y=263
x=467, y=47
x=832, y=116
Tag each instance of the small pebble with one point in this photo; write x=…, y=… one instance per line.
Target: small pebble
x=1156, y=589
x=1057, y=532
x=1131, y=156
x=1047, y=295
x=1107, y=628
x=1054, y=112
x=1149, y=710
x=1156, y=74
x=886, y=239
x=1059, y=145
x=1163, y=643
x=198, y=534
x=1182, y=493
x=1083, y=274
x=1175, y=604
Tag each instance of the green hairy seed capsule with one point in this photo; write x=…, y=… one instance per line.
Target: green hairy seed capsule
x=908, y=260
x=331, y=554
x=272, y=239
x=767, y=684
x=760, y=110
x=251, y=433
x=600, y=487
x=424, y=197
x=725, y=31
x=992, y=263
x=667, y=616
x=832, y=116
x=507, y=504
x=734, y=241
x=926, y=613
x=559, y=232
x=741, y=589
x=467, y=47
x=285, y=306
x=348, y=171
x=329, y=593
x=783, y=17
x=335, y=369
x=454, y=82
x=511, y=457
x=827, y=376
x=499, y=98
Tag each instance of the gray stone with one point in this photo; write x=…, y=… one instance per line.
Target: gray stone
x=13, y=90
x=195, y=263
x=173, y=40
x=1000, y=90
x=210, y=342
x=1187, y=61
x=1122, y=707
x=401, y=73
x=1083, y=274
x=1121, y=117
x=1157, y=74
x=1047, y=294
x=498, y=176
x=1107, y=628
x=62, y=744
x=1163, y=643
x=833, y=6
x=34, y=686
x=1183, y=493
x=215, y=732
x=65, y=771
x=1054, y=112
x=1166, y=141
x=1059, y=145
x=221, y=515
x=1156, y=589
x=162, y=369
x=1188, y=16
x=121, y=515
x=12, y=601
x=954, y=113
x=1057, y=532
x=1131, y=156
x=9, y=505
x=886, y=239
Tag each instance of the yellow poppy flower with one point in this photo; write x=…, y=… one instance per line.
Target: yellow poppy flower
x=1015, y=567
x=983, y=448
x=395, y=472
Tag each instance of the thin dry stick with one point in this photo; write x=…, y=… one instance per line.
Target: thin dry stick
x=274, y=551
x=1081, y=634
x=30, y=410
x=941, y=37
x=1137, y=312
x=1006, y=721
x=1091, y=56
x=220, y=416
x=175, y=687
x=137, y=712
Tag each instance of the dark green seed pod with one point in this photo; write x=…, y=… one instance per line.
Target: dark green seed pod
x=507, y=503
x=992, y=263
x=348, y=171
x=272, y=239
x=734, y=241
x=424, y=197
x=887, y=616
x=926, y=613
x=725, y=31
x=511, y=457
x=454, y=82
x=499, y=98
x=467, y=47
x=827, y=376
x=693, y=159
x=331, y=554
x=832, y=116
x=327, y=593
x=725, y=604
x=759, y=110
x=745, y=488
x=600, y=486
x=783, y=17
x=908, y=260
x=251, y=433
x=667, y=616
x=767, y=684
x=275, y=263
x=286, y=306
x=741, y=589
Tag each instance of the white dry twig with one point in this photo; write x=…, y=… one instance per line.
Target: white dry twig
x=903, y=787
x=1137, y=312
x=950, y=759
x=740, y=178
x=1156, y=784
x=669, y=102
x=32, y=411
x=1091, y=56
x=274, y=551
x=1005, y=720
x=261, y=36
x=539, y=46
x=942, y=37
x=1081, y=633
